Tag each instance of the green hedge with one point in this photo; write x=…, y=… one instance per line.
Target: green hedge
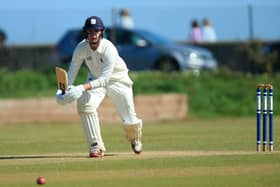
x=210, y=94
x=222, y=93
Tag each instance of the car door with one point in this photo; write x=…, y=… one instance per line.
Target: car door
x=134, y=49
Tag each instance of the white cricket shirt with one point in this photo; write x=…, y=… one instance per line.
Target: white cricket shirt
x=104, y=64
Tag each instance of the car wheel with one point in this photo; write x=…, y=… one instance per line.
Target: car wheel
x=167, y=65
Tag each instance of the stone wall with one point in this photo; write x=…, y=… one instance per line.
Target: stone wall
x=149, y=108
x=37, y=57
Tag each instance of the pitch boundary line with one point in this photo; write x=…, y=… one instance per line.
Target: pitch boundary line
x=131, y=155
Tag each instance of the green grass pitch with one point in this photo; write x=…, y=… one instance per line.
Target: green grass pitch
x=193, y=152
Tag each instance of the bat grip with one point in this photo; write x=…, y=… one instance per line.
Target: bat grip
x=62, y=88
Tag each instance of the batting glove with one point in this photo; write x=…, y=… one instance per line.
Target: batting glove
x=73, y=93
x=60, y=98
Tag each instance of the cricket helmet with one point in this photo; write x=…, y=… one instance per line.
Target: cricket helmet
x=93, y=23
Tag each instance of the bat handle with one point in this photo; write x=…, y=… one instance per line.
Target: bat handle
x=62, y=87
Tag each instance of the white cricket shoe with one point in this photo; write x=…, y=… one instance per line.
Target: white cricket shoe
x=136, y=146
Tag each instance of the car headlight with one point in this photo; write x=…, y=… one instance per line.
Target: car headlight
x=191, y=55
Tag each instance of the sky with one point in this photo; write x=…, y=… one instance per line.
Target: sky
x=44, y=22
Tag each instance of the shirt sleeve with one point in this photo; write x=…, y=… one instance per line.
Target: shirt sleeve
x=75, y=64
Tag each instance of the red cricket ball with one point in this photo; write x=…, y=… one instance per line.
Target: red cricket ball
x=41, y=180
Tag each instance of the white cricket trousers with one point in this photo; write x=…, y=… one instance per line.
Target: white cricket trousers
x=121, y=95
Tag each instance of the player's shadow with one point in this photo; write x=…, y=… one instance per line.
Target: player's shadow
x=11, y=157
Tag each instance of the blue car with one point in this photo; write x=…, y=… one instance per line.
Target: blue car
x=144, y=51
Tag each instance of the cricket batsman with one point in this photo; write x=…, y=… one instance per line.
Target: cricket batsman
x=108, y=77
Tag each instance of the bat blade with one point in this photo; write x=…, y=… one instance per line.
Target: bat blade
x=62, y=79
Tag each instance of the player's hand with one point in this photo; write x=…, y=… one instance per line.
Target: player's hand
x=73, y=93
x=60, y=98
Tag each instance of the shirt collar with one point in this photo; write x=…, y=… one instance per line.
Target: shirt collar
x=100, y=47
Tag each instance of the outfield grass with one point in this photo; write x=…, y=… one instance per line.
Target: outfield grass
x=216, y=152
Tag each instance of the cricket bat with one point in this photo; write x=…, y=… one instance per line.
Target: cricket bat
x=61, y=78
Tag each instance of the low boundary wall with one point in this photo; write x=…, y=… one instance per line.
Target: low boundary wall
x=148, y=107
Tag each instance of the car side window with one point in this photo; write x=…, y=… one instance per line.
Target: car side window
x=118, y=36
x=107, y=34
x=139, y=41
x=123, y=37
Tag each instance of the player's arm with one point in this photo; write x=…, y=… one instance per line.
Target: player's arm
x=75, y=64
